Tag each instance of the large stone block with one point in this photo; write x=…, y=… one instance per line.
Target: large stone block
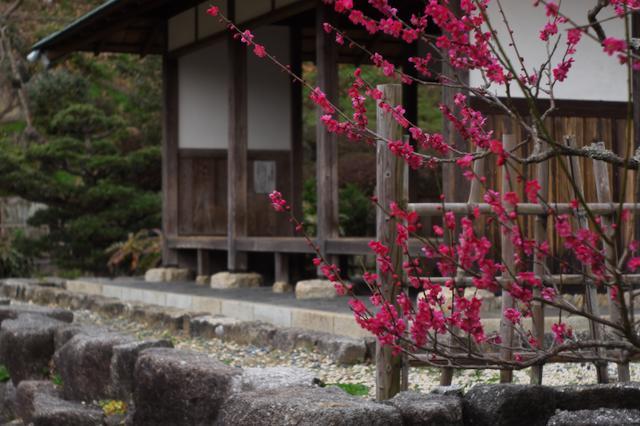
x=508, y=405
x=26, y=393
x=123, y=363
x=210, y=326
x=305, y=406
x=422, y=409
x=63, y=334
x=12, y=312
x=179, y=388
x=7, y=402
x=315, y=289
x=257, y=379
x=84, y=364
x=226, y=280
x=600, y=417
x=40, y=404
x=27, y=346
x=249, y=333
x=343, y=350
x=160, y=275
x=590, y=397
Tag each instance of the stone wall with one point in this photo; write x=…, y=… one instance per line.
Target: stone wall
x=60, y=371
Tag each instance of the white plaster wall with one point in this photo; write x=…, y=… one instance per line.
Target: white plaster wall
x=594, y=76
x=270, y=93
x=203, y=92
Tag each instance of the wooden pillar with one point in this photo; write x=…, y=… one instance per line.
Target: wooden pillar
x=237, y=151
x=296, y=123
x=391, y=179
x=326, y=142
x=169, y=158
x=282, y=268
x=204, y=262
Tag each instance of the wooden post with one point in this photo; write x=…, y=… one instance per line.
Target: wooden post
x=508, y=259
x=603, y=191
x=326, y=142
x=591, y=292
x=539, y=235
x=169, y=158
x=237, y=150
x=282, y=267
x=390, y=187
x=204, y=262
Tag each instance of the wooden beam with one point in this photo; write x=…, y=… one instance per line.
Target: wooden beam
x=390, y=186
x=326, y=142
x=237, y=150
x=169, y=159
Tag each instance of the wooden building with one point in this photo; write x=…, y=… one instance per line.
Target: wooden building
x=233, y=122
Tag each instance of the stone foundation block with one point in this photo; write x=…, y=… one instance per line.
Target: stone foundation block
x=84, y=364
x=282, y=287
x=180, y=388
x=27, y=346
x=161, y=275
x=305, y=406
x=226, y=280
x=203, y=280
x=315, y=289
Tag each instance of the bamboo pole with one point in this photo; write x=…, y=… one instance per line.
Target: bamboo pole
x=475, y=195
x=389, y=187
x=591, y=292
x=508, y=259
x=603, y=191
x=540, y=235
x=526, y=209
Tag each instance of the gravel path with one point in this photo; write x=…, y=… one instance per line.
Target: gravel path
x=420, y=379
